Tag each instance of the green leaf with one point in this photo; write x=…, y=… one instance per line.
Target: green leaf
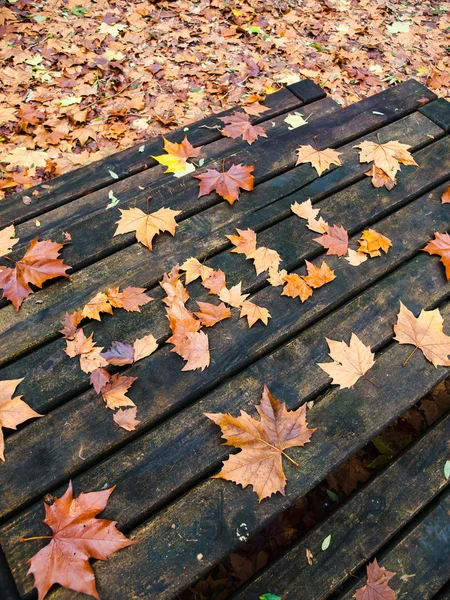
x=71, y=100
x=447, y=469
x=382, y=447
x=113, y=175
x=254, y=29
x=295, y=120
x=114, y=201
x=35, y=60
x=398, y=27
x=269, y=597
x=78, y=11
x=326, y=542
x=142, y=148
x=39, y=18
x=333, y=496
x=379, y=461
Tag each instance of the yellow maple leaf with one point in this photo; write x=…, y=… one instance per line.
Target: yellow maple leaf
x=350, y=361
x=319, y=159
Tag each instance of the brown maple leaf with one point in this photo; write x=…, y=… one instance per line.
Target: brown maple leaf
x=194, y=348
x=245, y=242
x=7, y=240
x=296, y=287
x=350, y=361
x=440, y=246
x=386, y=157
x=424, y=332
x=215, y=282
x=115, y=391
x=335, y=239
x=211, y=314
x=263, y=443
x=228, y=183
x=126, y=418
x=177, y=154
x=89, y=353
x=319, y=159
x=445, y=197
x=380, y=178
x=131, y=299
x=377, y=584
x=39, y=264
x=195, y=269
x=77, y=537
x=254, y=313
x=239, y=125
x=264, y=259
x=99, y=378
x=255, y=109
x=13, y=411
x=372, y=242
x=146, y=226
x=318, y=277
x=70, y=324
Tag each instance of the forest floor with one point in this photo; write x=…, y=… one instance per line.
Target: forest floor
x=82, y=79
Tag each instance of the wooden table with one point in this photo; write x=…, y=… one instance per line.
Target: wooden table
x=185, y=521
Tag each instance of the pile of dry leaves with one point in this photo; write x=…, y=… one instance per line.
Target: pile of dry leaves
x=82, y=79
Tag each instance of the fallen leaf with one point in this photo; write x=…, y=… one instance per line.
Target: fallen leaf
x=120, y=354
x=146, y=226
x=254, y=313
x=386, y=157
x=262, y=444
x=70, y=324
x=295, y=120
x=13, y=411
x=7, y=240
x=377, y=584
x=99, y=378
x=276, y=277
x=211, y=314
x=305, y=210
x=233, y=296
x=309, y=557
x=355, y=258
x=380, y=178
x=77, y=537
x=319, y=159
x=177, y=154
x=335, y=239
x=445, y=197
x=318, y=277
x=126, y=418
x=227, y=183
x=144, y=346
x=194, y=269
x=296, y=287
x=239, y=125
x=318, y=225
x=131, y=299
x=440, y=246
x=424, y=332
x=114, y=392
x=372, y=242
x=215, y=282
x=255, y=109
x=264, y=259
x=326, y=543
x=350, y=361
x=98, y=304
x=90, y=354
x=195, y=350
x=245, y=242
x=39, y=264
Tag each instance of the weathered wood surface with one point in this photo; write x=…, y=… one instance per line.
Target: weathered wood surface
x=131, y=161
x=361, y=526
x=161, y=469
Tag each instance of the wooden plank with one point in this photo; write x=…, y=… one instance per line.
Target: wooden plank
x=361, y=527
x=8, y=590
x=306, y=90
x=187, y=442
x=423, y=555
x=439, y=112
x=131, y=161
x=443, y=594
x=136, y=266
x=81, y=218
x=166, y=558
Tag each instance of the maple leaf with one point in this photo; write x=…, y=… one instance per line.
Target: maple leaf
x=245, y=242
x=194, y=348
x=319, y=159
x=305, y=210
x=264, y=259
x=380, y=178
x=233, y=296
x=177, y=154
x=445, y=198
x=350, y=361
x=276, y=278
x=131, y=299
x=372, y=242
x=173, y=287
x=70, y=324
x=126, y=418
x=146, y=226
x=255, y=109
x=181, y=322
x=194, y=269
x=211, y=314
x=13, y=411
x=386, y=157
x=120, y=354
x=77, y=537
x=318, y=277
x=335, y=239
x=424, y=332
x=39, y=264
x=98, y=304
x=296, y=287
x=355, y=258
x=318, y=225
x=254, y=313
x=227, y=183
x=262, y=444
x=99, y=378
x=215, y=282
x=22, y=157
x=145, y=346
x=114, y=392
x=440, y=246
x=239, y=125
x=86, y=349
x=7, y=240
x=376, y=587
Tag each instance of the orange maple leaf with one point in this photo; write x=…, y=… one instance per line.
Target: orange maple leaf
x=335, y=239
x=211, y=314
x=115, y=391
x=254, y=313
x=239, y=125
x=264, y=259
x=177, y=154
x=39, y=263
x=146, y=226
x=440, y=246
x=380, y=178
x=386, y=157
x=372, y=242
x=263, y=443
x=77, y=537
x=130, y=299
x=228, y=183
x=446, y=196
x=233, y=296
x=195, y=269
x=318, y=277
x=296, y=287
x=126, y=419
x=98, y=304
x=245, y=242
x=377, y=584
x=215, y=282
x=194, y=348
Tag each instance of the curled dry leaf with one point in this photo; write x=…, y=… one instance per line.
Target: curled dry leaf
x=372, y=242
x=239, y=125
x=245, y=242
x=377, y=584
x=211, y=314
x=126, y=418
x=215, y=282
x=355, y=258
x=254, y=313
x=146, y=226
x=424, y=332
x=39, y=264
x=264, y=259
x=70, y=324
x=440, y=246
x=99, y=378
x=7, y=240
x=318, y=277
x=335, y=239
x=350, y=361
x=13, y=411
x=77, y=537
x=177, y=154
x=89, y=353
x=194, y=269
x=262, y=444
x=318, y=225
x=380, y=179
x=233, y=296
x=119, y=354
x=305, y=210
x=319, y=159
x=228, y=183
x=296, y=287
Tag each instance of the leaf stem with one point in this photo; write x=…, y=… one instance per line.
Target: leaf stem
x=283, y=453
x=38, y=537
x=372, y=382
x=406, y=361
